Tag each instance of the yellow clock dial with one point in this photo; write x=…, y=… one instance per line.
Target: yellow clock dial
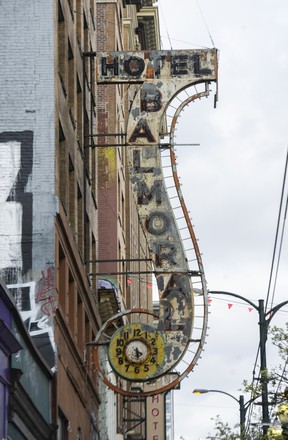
x=136, y=351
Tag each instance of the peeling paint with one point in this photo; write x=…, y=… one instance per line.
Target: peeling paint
x=163, y=74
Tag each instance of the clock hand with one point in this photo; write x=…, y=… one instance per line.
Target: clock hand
x=138, y=353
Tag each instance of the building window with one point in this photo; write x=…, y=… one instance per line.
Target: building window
x=72, y=194
x=71, y=81
x=80, y=323
x=80, y=220
x=87, y=244
x=79, y=113
x=93, y=264
x=62, y=61
x=63, y=169
x=63, y=426
x=72, y=304
x=62, y=280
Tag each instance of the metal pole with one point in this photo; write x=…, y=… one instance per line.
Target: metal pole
x=264, y=321
x=242, y=410
x=242, y=406
x=263, y=329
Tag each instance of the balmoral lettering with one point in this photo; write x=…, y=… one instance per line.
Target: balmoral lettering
x=142, y=130
x=165, y=251
x=146, y=194
x=137, y=164
x=157, y=223
x=161, y=76
x=150, y=98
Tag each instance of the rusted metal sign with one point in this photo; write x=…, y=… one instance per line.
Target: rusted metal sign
x=192, y=65
x=163, y=75
x=155, y=420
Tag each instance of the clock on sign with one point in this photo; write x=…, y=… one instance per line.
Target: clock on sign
x=136, y=351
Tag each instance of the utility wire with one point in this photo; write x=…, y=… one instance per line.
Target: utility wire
x=190, y=43
x=167, y=32
x=280, y=215
x=277, y=232
x=279, y=253
x=166, y=29
x=205, y=23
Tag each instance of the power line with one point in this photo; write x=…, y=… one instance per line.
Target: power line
x=166, y=29
x=205, y=23
x=277, y=235
x=280, y=215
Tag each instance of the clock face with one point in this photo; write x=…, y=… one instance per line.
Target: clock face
x=136, y=351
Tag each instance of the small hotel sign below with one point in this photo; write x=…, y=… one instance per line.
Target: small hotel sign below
x=155, y=420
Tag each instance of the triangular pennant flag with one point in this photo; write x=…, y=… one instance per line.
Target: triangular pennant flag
x=209, y=301
x=250, y=309
x=229, y=306
x=149, y=286
x=129, y=281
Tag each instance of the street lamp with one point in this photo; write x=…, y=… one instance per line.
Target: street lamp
x=242, y=406
x=264, y=321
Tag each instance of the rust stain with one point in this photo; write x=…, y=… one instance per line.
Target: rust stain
x=163, y=74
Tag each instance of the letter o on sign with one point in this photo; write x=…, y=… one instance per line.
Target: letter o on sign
x=155, y=412
x=157, y=223
x=134, y=66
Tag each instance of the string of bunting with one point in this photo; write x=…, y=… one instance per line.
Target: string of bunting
x=230, y=305
x=130, y=281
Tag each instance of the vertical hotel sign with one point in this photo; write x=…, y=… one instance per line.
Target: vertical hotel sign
x=161, y=75
x=155, y=417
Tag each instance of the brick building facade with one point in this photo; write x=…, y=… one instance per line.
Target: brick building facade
x=65, y=193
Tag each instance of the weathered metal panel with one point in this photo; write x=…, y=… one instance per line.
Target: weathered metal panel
x=163, y=75
x=176, y=71
x=189, y=65
x=165, y=243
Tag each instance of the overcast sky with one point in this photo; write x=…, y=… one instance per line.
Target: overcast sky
x=232, y=185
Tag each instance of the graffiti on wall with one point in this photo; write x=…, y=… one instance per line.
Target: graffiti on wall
x=33, y=290
x=16, y=201
x=30, y=301
x=45, y=292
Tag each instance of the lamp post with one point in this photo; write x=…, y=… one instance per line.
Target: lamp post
x=264, y=321
x=242, y=406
